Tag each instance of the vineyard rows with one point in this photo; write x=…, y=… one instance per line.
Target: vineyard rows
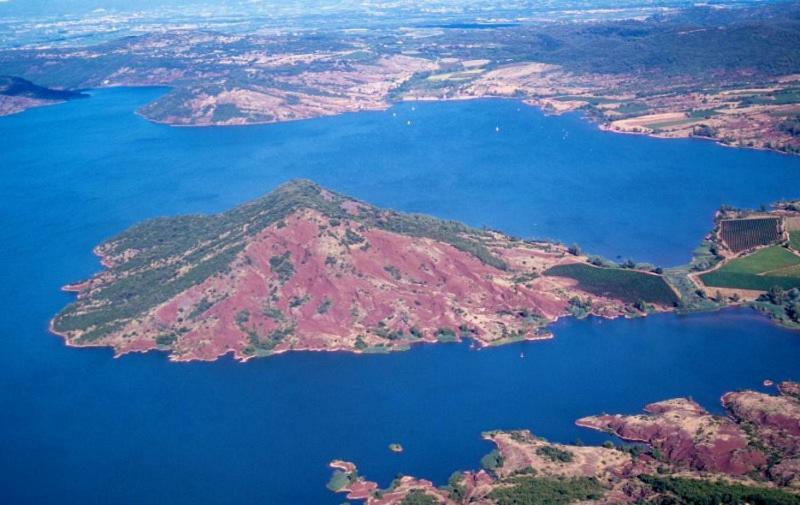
x=742, y=234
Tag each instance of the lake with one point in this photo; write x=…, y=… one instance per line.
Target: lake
x=80, y=426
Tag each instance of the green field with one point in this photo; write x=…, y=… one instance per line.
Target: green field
x=794, y=240
x=762, y=270
x=630, y=286
x=672, y=123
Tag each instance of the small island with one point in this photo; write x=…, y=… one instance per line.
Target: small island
x=396, y=448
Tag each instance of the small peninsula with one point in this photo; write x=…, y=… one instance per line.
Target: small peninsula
x=681, y=454
x=17, y=95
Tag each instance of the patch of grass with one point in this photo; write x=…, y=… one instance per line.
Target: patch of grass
x=418, y=497
x=702, y=113
x=166, y=339
x=282, y=266
x=764, y=260
x=701, y=492
x=593, y=100
x=455, y=487
x=340, y=479
x=762, y=270
x=670, y=124
x=631, y=108
x=629, y=286
x=528, y=490
x=555, y=454
x=200, y=307
x=226, y=111
x=794, y=240
x=456, y=76
x=492, y=461
x=351, y=237
x=446, y=335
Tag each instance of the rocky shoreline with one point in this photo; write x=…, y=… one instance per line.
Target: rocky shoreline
x=752, y=453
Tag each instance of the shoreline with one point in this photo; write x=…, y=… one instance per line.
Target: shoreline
x=539, y=332
x=389, y=104
x=242, y=359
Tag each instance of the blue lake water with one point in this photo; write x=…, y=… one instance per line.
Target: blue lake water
x=79, y=426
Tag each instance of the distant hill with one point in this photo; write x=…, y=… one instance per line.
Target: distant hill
x=16, y=86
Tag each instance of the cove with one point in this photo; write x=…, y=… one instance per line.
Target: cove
x=79, y=426
x=83, y=427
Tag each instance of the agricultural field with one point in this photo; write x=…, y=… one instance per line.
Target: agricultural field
x=627, y=285
x=762, y=270
x=794, y=240
x=743, y=234
x=792, y=224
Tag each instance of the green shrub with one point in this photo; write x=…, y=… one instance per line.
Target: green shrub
x=418, y=497
x=166, y=339
x=555, y=454
x=530, y=490
x=282, y=266
x=492, y=461
x=678, y=490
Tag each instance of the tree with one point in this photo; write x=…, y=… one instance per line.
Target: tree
x=574, y=250
x=793, y=311
x=776, y=295
x=703, y=130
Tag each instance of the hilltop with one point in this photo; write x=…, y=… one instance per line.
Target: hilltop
x=304, y=268
x=17, y=94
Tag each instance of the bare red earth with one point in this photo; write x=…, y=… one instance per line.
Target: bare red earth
x=691, y=443
x=383, y=291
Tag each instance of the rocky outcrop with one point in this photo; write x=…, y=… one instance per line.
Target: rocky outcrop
x=686, y=435
x=687, y=453
x=773, y=424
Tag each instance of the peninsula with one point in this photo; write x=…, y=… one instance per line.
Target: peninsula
x=304, y=268
x=17, y=95
x=682, y=455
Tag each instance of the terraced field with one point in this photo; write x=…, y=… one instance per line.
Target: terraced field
x=629, y=286
x=762, y=270
x=742, y=234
